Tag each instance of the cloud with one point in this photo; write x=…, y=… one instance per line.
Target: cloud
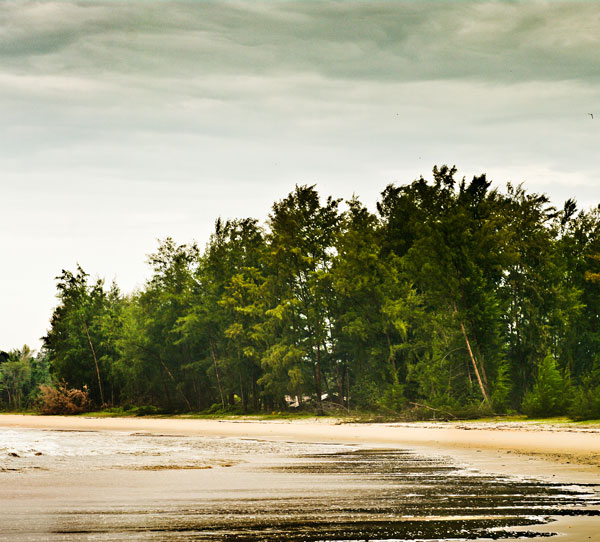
x=127, y=121
x=501, y=41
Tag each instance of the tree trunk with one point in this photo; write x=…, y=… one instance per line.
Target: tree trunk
x=175, y=384
x=255, y=398
x=166, y=388
x=317, y=372
x=473, y=360
x=481, y=363
x=340, y=383
x=214, y=357
x=347, y=388
x=95, y=361
x=242, y=394
x=196, y=393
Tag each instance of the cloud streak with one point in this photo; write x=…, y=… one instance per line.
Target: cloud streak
x=500, y=41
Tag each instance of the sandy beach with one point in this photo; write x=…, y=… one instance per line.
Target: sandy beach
x=562, y=454
x=572, y=451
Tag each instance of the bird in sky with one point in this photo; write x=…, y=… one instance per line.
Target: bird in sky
x=591, y=115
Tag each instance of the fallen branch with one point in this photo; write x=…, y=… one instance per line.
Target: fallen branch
x=434, y=409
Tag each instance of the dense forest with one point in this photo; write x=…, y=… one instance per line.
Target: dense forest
x=452, y=298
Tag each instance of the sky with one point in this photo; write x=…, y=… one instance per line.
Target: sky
x=124, y=123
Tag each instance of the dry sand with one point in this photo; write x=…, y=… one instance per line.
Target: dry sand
x=559, y=453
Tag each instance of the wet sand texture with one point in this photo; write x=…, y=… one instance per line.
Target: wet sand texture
x=270, y=491
x=577, y=447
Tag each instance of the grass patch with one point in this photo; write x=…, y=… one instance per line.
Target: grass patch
x=151, y=412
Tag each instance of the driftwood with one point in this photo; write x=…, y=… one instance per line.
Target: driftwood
x=434, y=409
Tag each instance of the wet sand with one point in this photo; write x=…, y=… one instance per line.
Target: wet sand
x=557, y=455
x=570, y=450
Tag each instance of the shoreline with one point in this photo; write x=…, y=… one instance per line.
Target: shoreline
x=556, y=454
x=571, y=454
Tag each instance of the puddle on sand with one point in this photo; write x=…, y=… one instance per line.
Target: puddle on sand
x=269, y=492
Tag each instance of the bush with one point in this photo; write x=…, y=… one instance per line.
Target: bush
x=550, y=393
x=586, y=400
x=217, y=408
x=364, y=395
x=62, y=399
x=144, y=410
x=392, y=399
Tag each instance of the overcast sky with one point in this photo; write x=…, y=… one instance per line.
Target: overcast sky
x=124, y=123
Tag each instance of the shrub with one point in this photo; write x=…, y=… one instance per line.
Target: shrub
x=217, y=408
x=144, y=410
x=586, y=404
x=364, y=395
x=586, y=399
x=62, y=399
x=392, y=399
x=549, y=396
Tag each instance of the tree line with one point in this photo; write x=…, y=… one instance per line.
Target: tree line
x=453, y=296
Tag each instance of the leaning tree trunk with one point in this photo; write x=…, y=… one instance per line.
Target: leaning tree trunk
x=95, y=362
x=181, y=392
x=473, y=360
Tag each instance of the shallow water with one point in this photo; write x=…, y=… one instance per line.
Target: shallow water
x=100, y=486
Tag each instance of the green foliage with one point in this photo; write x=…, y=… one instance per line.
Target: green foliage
x=393, y=398
x=550, y=393
x=502, y=389
x=585, y=404
x=439, y=302
x=300, y=241
x=21, y=374
x=144, y=410
x=15, y=374
x=81, y=339
x=364, y=395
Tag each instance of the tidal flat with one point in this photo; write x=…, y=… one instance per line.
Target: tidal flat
x=58, y=485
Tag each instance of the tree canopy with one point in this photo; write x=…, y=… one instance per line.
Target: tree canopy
x=453, y=295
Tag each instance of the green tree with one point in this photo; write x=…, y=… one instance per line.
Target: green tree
x=374, y=308
x=224, y=310
x=300, y=242
x=15, y=375
x=537, y=288
x=77, y=343
x=453, y=249
x=550, y=393
x=21, y=373
x=150, y=349
x=445, y=298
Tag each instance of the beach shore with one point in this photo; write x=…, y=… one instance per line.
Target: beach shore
x=558, y=453
x=539, y=449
